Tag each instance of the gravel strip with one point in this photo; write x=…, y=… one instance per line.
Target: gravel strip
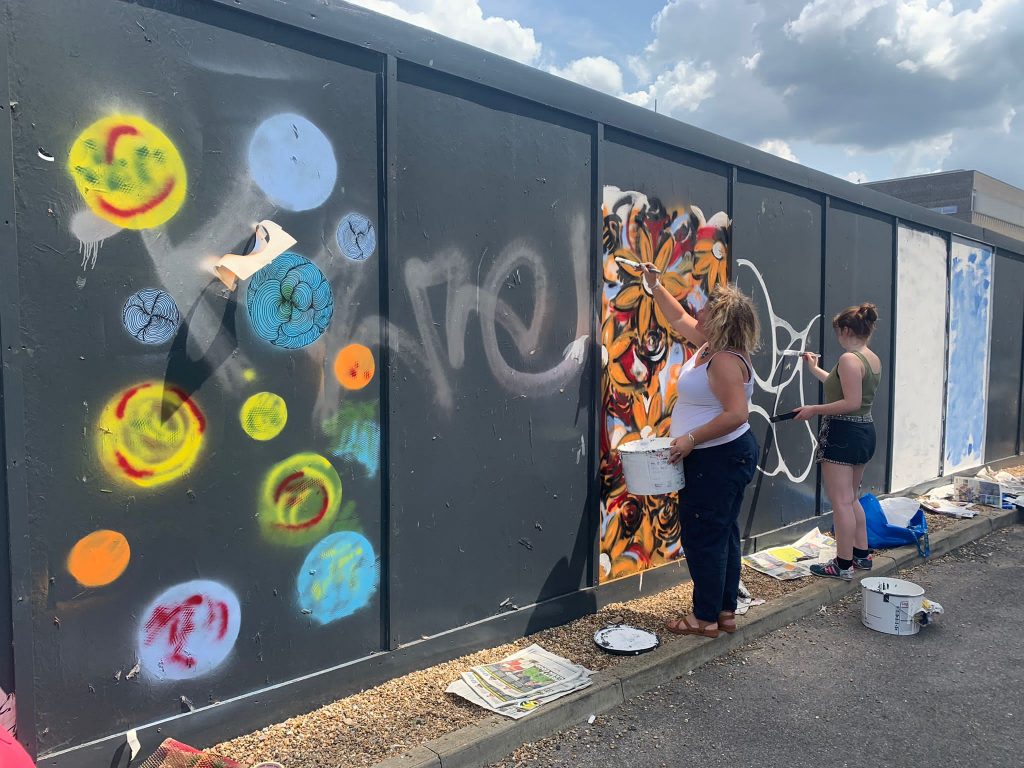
x=382, y=722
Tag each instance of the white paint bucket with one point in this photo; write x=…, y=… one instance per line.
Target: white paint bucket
x=891, y=605
x=646, y=468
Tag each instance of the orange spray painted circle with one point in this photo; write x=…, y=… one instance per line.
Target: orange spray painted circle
x=99, y=558
x=354, y=366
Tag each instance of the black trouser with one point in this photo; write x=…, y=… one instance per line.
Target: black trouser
x=709, y=510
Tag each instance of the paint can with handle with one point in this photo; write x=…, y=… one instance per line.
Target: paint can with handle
x=646, y=467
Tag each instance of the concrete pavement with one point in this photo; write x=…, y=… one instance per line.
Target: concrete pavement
x=826, y=691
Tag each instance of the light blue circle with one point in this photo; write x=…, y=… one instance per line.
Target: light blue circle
x=356, y=237
x=338, y=577
x=293, y=162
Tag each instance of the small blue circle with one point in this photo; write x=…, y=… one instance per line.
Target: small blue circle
x=356, y=237
x=338, y=577
x=293, y=162
x=290, y=302
x=151, y=316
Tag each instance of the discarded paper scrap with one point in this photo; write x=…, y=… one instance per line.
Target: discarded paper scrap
x=271, y=242
x=520, y=683
x=950, y=508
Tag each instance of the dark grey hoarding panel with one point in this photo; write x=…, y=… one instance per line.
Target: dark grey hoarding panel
x=777, y=260
x=859, y=268
x=212, y=569
x=1004, y=365
x=490, y=303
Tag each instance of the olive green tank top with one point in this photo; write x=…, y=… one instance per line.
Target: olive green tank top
x=834, y=387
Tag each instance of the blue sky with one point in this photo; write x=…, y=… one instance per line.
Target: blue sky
x=861, y=89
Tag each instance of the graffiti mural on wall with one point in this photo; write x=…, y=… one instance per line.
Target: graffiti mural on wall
x=153, y=433
x=642, y=357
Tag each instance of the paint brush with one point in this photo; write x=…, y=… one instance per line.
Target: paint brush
x=782, y=417
x=636, y=264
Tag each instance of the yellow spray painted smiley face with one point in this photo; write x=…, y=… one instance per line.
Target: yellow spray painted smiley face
x=128, y=172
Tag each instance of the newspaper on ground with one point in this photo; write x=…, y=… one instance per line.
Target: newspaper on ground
x=817, y=546
x=791, y=562
x=518, y=684
x=772, y=566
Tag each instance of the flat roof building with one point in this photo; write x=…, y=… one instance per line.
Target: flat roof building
x=972, y=196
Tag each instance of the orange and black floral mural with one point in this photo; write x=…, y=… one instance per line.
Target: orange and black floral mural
x=642, y=357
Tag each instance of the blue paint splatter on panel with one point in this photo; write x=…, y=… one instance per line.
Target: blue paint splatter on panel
x=966, y=397
x=290, y=302
x=151, y=316
x=293, y=162
x=338, y=577
x=357, y=237
x=354, y=433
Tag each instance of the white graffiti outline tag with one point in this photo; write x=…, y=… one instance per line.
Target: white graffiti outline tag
x=797, y=342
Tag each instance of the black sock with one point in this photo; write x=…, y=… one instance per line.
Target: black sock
x=861, y=552
x=844, y=564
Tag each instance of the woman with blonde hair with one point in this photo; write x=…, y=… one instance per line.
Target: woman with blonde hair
x=846, y=440
x=712, y=438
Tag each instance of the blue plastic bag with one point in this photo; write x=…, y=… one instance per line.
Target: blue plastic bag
x=883, y=535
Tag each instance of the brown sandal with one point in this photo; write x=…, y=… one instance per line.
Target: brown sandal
x=682, y=626
x=727, y=621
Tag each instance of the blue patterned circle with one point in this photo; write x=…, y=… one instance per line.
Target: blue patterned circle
x=151, y=316
x=356, y=237
x=339, y=576
x=290, y=302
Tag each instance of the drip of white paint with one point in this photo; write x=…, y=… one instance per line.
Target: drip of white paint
x=132, y=737
x=91, y=230
x=796, y=345
x=577, y=350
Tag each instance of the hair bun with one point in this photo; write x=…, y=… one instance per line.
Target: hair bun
x=868, y=312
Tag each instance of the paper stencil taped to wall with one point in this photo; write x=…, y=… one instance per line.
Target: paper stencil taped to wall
x=270, y=242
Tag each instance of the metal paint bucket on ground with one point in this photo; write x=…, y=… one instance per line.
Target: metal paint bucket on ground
x=646, y=468
x=895, y=606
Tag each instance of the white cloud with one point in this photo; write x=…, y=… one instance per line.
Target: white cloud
x=778, y=147
x=1007, y=125
x=829, y=16
x=937, y=37
x=750, y=62
x=678, y=90
x=464, y=20
x=924, y=156
x=595, y=72
x=857, y=177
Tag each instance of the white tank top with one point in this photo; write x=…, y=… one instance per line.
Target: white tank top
x=696, y=404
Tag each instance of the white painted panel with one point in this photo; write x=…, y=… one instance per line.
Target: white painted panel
x=920, y=358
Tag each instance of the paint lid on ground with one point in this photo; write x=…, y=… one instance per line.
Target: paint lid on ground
x=625, y=640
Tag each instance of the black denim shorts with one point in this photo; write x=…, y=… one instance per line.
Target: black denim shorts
x=846, y=440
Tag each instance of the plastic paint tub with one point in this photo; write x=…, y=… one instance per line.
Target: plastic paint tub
x=646, y=468
x=889, y=605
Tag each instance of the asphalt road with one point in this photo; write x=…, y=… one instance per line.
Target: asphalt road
x=829, y=692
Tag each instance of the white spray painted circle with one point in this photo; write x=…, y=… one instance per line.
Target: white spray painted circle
x=188, y=630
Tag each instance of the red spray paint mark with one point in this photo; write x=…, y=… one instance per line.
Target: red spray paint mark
x=127, y=213
x=292, y=484
x=129, y=470
x=116, y=133
x=178, y=622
